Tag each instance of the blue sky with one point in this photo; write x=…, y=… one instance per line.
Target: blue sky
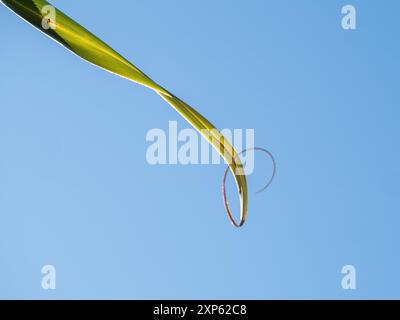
x=76, y=191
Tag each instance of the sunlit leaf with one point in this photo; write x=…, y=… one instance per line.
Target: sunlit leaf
x=80, y=41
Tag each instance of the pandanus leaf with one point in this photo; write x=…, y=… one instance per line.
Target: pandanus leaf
x=80, y=41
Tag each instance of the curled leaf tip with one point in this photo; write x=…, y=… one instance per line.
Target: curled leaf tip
x=269, y=182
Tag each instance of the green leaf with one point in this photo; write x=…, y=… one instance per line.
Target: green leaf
x=80, y=41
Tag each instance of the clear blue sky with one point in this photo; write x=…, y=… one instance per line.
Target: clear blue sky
x=76, y=191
